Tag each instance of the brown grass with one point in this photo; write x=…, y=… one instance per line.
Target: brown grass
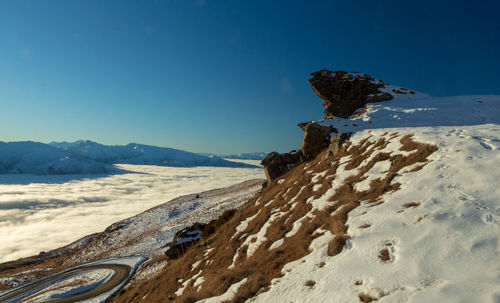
x=361, y=112
x=310, y=283
x=265, y=265
x=366, y=298
x=384, y=255
x=411, y=204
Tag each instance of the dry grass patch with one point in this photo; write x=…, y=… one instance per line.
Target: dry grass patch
x=310, y=283
x=411, y=204
x=384, y=255
x=366, y=298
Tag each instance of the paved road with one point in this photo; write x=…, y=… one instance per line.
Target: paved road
x=120, y=273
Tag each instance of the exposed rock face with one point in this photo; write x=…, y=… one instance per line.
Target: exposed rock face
x=184, y=239
x=275, y=164
x=336, y=142
x=316, y=138
x=344, y=93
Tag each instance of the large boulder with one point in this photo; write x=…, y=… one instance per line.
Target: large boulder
x=276, y=165
x=316, y=138
x=336, y=143
x=184, y=239
x=343, y=93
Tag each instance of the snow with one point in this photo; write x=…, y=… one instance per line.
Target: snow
x=228, y=295
x=423, y=111
x=276, y=244
x=444, y=250
x=180, y=291
x=378, y=171
x=86, y=281
x=40, y=207
x=73, y=285
x=255, y=240
x=244, y=224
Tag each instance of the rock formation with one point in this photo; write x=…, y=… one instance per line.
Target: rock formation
x=275, y=164
x=184, y=239
x=316, y=138
x=343, y=93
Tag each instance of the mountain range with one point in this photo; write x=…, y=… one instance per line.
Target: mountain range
x=88, y=157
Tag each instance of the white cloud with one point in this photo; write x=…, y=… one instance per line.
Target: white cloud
x=38, y=217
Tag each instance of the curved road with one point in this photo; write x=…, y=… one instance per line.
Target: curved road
x=121, y=273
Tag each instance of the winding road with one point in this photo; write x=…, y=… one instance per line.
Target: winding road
x=120, y=273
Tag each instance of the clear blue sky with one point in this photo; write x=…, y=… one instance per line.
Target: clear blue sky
x=223, y=76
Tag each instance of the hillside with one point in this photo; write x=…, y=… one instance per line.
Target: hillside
x=392, y=198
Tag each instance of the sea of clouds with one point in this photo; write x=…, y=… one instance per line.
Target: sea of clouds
x=40, y=213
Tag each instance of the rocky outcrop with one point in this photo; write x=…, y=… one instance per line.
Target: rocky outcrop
x=336, y=143
x=184, y=239
x=343, y=93
x=316, y=138
x=275, y=164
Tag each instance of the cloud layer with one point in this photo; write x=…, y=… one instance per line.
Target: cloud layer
x=42, y=216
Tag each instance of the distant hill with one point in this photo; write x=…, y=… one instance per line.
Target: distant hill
x=38, y=158
x=241, y=156
x=88, y=157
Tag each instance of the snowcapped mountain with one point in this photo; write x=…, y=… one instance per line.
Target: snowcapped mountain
x=87, y=157
x=398, y=202
x=247, y=156
x=240, y=156
x=38, y=158
x=133, y=153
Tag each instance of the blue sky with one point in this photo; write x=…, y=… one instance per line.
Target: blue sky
x=223, y=76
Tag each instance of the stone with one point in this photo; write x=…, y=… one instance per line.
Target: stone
x=276, y=165
x=316, y=139
x=184, y=239
x=342, y=96
x=336, y=143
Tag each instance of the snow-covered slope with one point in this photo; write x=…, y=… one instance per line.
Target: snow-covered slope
x=406, y=211
x=434, y=240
